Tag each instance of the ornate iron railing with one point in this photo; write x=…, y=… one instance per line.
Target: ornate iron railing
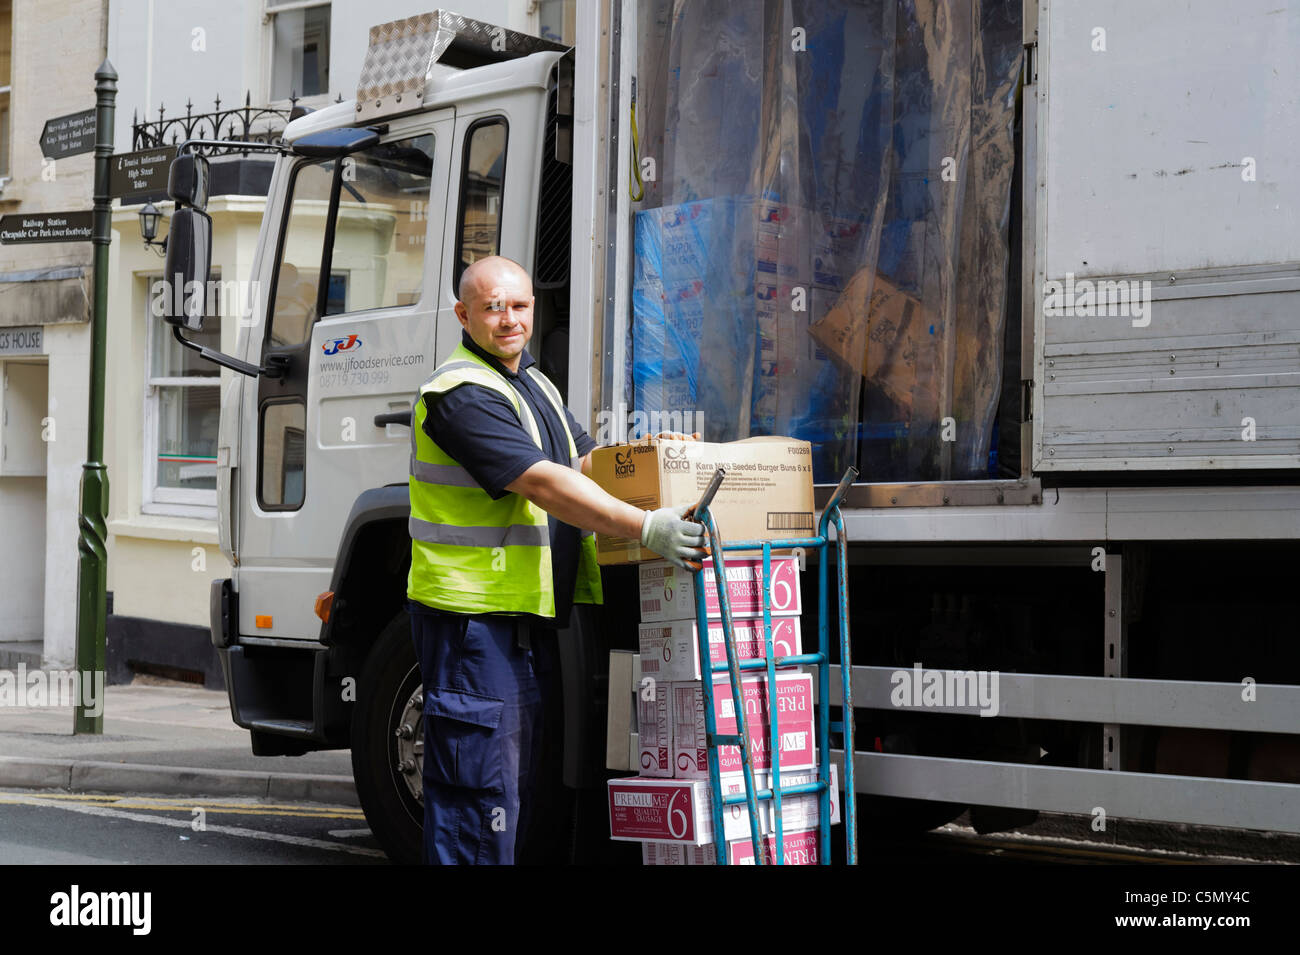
x=247, y=123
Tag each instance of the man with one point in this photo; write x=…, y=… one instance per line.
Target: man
x=498, y=494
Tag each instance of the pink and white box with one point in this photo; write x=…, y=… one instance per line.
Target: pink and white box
x=802, y=811
x=794, y=718
x=671, y=651
x=801, y=848
x=642, y=809
x=668, y=592
x=654, y=728
x=678, y=811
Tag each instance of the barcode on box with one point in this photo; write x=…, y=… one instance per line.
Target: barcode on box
x=650, y=606
x=789, y=520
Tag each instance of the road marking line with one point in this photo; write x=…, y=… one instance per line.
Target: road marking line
x=109, y=812
x=180, y=803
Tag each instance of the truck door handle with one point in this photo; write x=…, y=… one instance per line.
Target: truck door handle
x=393, y=417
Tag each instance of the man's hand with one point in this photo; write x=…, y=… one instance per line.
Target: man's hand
x=678, y=541
x=677, y=436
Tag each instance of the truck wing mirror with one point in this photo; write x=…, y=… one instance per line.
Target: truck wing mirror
x=187, y=181
x=185, y=284
x=189, y=259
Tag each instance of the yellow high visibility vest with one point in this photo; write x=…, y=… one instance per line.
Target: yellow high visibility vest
x=469, y=553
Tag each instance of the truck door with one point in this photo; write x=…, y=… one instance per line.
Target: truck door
x=350, y=320
x=493, y=209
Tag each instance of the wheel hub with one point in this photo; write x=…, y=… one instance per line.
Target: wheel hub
x=409, y=733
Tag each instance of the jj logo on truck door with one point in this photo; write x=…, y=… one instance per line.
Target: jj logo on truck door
x=336, y=345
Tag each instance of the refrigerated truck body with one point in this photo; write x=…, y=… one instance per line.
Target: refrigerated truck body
x=1129, y=685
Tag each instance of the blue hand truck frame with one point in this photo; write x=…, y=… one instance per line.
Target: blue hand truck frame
x=734, y=668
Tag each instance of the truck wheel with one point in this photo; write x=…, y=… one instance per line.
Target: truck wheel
x=388, y=743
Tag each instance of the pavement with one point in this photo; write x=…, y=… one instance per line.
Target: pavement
x=166, y=738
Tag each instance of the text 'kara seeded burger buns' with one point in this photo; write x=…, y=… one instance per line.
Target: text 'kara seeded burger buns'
x=766, y=495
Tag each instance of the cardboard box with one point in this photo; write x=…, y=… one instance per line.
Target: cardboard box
x=804, y=810
x=671, y=650
x=642, y=809
x=801, y=848
x=686, y=812
x=877, y=330
x=668, y=592
x=663, y=853
x=654, y=728
x=766, y=495
x=794, y=700
x=620, y=731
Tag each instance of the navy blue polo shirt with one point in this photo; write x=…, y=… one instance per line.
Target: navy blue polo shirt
x=479, y=429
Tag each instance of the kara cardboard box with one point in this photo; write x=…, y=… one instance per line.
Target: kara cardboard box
x=766, y=495
x=654, y=728
x=671, y=650
x=794, y=704
x=668, y=592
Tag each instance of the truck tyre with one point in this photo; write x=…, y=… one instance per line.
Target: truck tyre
x=388, y=742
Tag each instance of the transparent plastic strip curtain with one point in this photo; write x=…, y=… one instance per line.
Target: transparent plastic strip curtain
x=821, y=249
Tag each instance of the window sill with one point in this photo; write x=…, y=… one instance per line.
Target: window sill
x=163, y=522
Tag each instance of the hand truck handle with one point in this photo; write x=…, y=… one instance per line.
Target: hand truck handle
x=842, y=488
x=707, y=497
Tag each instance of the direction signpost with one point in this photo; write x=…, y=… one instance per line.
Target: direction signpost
x=68, y=135
x=20, y=228
x=140, y=176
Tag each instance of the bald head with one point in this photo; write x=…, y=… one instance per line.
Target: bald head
x=496, y=307
x=486, y=274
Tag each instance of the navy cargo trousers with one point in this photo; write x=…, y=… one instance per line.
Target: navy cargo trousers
x=489, y=682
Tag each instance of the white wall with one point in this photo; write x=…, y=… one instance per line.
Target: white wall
x=152, y=44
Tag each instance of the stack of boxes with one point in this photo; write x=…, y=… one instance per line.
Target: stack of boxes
x=667, y=807
x=767, y=495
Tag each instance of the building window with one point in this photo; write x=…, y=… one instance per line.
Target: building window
x=6, y=45
x=555, y=20
x=300, y=48
x=182, y=412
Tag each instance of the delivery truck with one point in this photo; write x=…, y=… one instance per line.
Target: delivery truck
x=1029, y=267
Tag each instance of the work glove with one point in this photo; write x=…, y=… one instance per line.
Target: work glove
x=677, y=541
